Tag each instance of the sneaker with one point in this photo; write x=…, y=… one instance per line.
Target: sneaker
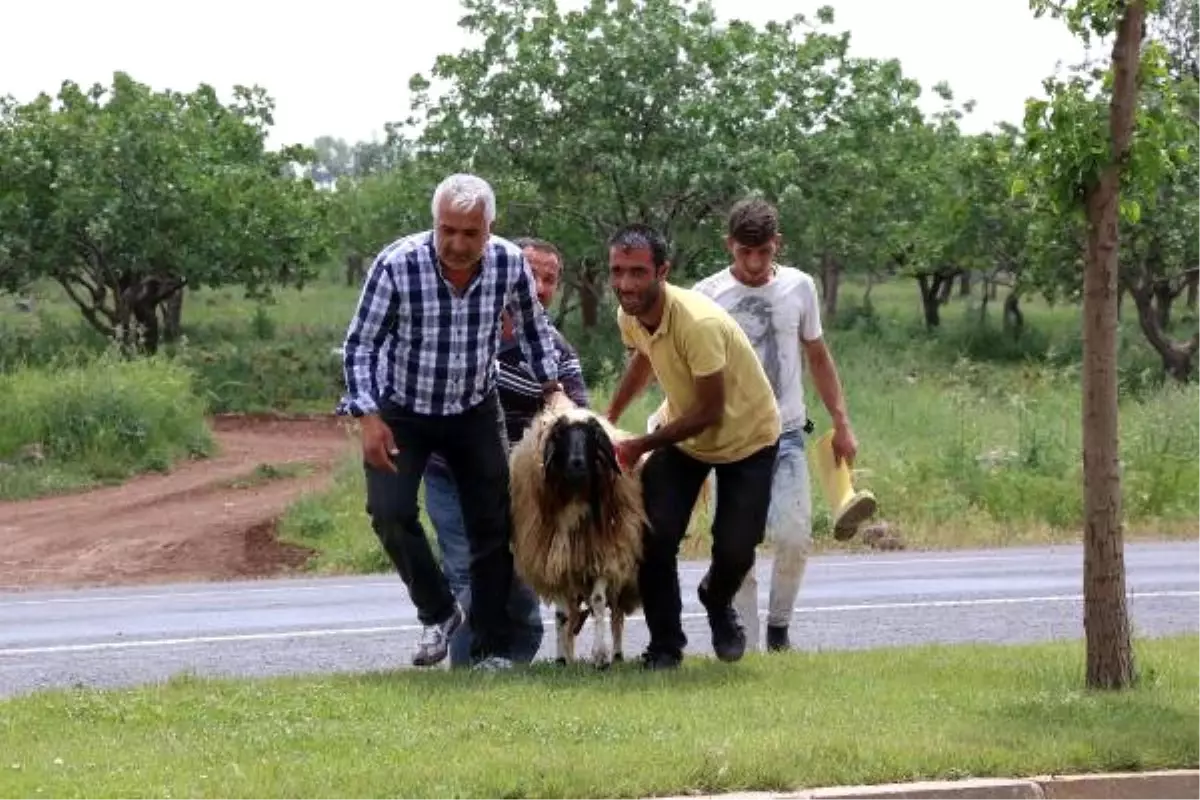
x=728, y=635
x=777, y=638
x=434, y=643
x=493, y=664
x=656, y=660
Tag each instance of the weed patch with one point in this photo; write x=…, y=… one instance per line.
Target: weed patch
x=96, y=423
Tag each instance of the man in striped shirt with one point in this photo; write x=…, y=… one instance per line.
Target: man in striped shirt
x=521, y=398
x=420, y=370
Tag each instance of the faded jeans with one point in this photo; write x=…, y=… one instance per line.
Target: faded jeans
x=443, y=505
x=475, y=447
x=789, y=529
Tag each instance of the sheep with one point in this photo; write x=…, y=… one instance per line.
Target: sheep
x=578, y=524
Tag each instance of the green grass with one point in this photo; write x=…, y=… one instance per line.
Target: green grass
x=769, y=722
x=968, y=435
x=989, y=450
x=97, y=423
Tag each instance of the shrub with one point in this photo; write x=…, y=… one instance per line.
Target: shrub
x=106, y=420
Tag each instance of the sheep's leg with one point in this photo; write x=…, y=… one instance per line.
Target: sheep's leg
x=618, y=633
x=598, y=601
x=564, y=624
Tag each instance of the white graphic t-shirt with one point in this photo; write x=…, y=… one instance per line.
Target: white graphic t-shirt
x=776, y=316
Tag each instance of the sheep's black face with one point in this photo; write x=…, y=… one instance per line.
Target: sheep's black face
x=578, y=455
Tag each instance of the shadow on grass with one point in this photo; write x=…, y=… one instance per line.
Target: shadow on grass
x=701, y=674
x=1124, y=730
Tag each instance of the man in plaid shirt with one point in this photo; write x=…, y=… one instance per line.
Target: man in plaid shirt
x=420, y=371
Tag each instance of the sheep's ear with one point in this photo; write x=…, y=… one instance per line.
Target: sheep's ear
x=605, y=450
x=548, y=449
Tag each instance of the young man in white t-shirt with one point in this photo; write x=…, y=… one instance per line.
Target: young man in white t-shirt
x=777, y=308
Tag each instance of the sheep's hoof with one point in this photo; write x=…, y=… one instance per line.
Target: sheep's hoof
x=560, y=661
x=618, y=657
x=602, y=665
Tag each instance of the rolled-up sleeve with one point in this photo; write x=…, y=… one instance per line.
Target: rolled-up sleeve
x=534, y=333
x=373, y=320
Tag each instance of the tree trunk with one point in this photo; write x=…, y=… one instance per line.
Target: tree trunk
x=589, y=295
x=145, y=313
x=964, y=283
x=1014, y=320
x=1192, y=283
x=929, y=299
x=564, y=304
x=831, y=278
x=945, y=284
x=1105, y=615
x=984, y=297
x=1164, y=298
x=355, y=268
x=1176, y=358
x=172, y=314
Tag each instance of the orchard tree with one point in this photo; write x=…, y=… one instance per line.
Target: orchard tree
x=841, y=188
x=624, y=111
x=125, y=195
x=1086, y=156
x=973, y=225
x=1160, y=225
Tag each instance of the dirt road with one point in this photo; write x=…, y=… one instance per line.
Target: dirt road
x=208, y=519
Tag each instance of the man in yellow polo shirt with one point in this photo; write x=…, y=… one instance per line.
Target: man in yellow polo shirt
x=724, y=417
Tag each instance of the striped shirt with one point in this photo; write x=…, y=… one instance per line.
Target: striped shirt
x=414, y=341
x=520, y=393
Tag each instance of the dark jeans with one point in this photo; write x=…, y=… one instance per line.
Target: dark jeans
x=476, y=449
x=671, y=482
x=445, y=512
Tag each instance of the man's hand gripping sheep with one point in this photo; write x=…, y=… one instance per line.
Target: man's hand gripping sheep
x=578, y=525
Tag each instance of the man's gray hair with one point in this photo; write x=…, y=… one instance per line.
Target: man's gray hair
x=465, y=192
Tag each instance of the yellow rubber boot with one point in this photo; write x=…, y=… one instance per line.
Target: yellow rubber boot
x=850, y=508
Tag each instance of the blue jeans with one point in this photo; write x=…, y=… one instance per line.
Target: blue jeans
x=443, y=505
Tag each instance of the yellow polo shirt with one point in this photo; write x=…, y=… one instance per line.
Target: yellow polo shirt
x=697, y=337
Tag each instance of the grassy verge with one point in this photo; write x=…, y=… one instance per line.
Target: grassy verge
x=77, y=426
x=1006, y=473
x=767, y=723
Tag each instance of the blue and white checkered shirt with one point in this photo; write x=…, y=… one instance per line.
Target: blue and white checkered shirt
x=416, y=342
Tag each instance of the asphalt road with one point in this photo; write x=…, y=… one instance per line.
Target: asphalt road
x=117, y=637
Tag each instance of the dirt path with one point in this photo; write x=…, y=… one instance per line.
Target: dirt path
x=209, y=519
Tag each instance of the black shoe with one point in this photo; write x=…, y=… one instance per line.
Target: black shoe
x=656, y=660
x=777, y=638
x=728, y=635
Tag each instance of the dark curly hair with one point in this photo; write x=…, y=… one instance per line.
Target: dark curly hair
x=753, y=222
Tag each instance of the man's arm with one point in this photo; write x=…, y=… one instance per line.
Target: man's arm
x=533, y=330
x=708, y=411
x=375, y=316
x=637, y=376
x=820, y=360
x=825, y=379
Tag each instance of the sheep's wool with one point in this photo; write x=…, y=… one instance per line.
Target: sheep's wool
x=557, y=548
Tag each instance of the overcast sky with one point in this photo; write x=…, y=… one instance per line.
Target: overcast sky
x=342, y=68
